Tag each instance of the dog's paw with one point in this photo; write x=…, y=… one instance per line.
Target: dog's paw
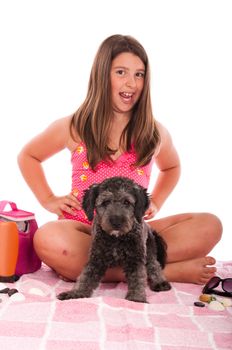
x=72, y=294
x=136, y=298
x=162, y=286
x=65, y=295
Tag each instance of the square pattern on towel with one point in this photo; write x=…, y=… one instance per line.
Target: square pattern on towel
x=107, y=321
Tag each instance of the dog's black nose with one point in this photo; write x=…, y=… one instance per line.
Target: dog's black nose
x=115, y=221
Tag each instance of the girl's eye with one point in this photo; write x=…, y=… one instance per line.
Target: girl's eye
x=120, y=72
x=140, y=75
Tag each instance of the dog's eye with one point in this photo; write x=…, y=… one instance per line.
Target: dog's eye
x=105, y=203
x=126, y=203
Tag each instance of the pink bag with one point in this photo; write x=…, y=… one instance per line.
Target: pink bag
x=28, y=261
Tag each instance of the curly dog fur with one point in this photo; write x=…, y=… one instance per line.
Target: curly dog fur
x=121, y=238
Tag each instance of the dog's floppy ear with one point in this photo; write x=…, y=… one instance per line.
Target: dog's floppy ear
x=89, y=199
x=142, y=202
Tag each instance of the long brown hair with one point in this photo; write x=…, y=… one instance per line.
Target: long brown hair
x=92, y=121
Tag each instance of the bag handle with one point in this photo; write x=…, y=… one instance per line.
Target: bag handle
x=3, y=204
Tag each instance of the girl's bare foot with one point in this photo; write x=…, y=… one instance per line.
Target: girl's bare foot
x=197, y=271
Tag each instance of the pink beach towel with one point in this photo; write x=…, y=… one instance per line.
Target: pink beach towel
x=107, y=321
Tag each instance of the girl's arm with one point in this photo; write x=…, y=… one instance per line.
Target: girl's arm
x=55, y=138
x=168, y=163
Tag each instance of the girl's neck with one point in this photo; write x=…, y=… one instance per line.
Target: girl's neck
x=121, y=117
x=117, y=127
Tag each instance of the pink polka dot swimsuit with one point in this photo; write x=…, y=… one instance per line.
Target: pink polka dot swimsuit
x=83, y=176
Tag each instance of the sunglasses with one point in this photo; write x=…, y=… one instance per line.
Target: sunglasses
x=214, y=282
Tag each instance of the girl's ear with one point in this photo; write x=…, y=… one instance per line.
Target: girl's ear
x=89, y=199
x=142, y=202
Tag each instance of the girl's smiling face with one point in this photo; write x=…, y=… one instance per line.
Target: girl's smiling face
x=127, y=81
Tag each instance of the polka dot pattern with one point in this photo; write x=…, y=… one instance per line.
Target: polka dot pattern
x=83, y=176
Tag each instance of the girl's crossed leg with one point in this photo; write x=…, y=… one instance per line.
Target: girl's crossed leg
x=64, y=244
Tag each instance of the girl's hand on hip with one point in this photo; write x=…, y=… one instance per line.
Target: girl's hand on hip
x=151, y=211
x=60, y=204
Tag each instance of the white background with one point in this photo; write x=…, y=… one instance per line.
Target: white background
x=46, y=52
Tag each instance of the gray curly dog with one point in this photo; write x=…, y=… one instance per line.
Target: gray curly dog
x=121, y=237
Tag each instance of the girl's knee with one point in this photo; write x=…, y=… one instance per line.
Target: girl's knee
x=213, y=226
x=43, y=239
x=39, y=241
x=62, y=246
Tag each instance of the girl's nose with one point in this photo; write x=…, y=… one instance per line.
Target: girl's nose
x=131, y=81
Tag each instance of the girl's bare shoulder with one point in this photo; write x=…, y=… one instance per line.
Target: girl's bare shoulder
x=162, y=131
x=71, y=137
x=54, y=138
x=63, y=128
x=165, y=137
x=166, y=156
